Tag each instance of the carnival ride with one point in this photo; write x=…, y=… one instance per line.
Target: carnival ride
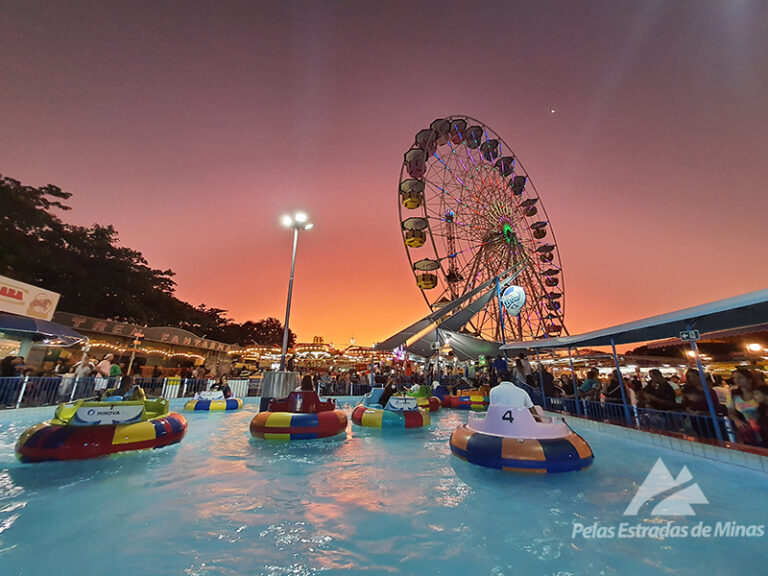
x=516, y=440
x=300, y=416
x=469, y=214
x=425, y=398
x=398, y=412
x=89, y=429
x=213, y=401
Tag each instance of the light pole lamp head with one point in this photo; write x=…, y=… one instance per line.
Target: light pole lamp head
x=299, y=221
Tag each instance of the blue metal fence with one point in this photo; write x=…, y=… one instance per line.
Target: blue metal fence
x=20, y=391
x=41, y=391
x=9, y=390
x=691, y=424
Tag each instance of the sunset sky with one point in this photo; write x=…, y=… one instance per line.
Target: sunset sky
x=193, y=126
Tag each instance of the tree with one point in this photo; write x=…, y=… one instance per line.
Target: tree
x=27, y=225
x=97, y=276
x=86, y=265
x=265, y=332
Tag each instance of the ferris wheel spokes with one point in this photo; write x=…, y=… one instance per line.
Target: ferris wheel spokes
x=467, y=212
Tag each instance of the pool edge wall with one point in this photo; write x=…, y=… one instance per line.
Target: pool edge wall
x=732, y=456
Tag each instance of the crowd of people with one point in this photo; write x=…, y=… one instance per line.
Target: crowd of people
x=101, y=366
x=743, y=396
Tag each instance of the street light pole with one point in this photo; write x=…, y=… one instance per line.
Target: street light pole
x=288, y=305
x=298, y=221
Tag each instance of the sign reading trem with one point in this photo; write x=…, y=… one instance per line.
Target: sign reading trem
x=26, y=300
x=166, y=334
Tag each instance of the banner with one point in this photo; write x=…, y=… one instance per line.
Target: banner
x=26, y=300
x=118, y=413
x=513, y=299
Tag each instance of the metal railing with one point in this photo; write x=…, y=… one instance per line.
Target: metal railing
x=687, y=423
x=27, y=391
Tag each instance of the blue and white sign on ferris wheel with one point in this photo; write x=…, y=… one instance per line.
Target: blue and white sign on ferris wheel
x=513, y=299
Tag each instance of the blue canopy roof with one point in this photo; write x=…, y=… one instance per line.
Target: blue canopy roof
x=743, y=310
x=37, y=329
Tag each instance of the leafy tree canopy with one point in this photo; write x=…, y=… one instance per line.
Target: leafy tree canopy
x=97, y=276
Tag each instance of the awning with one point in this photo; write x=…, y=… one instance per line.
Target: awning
x=466, y=347
x=718, y=335
x=39, y=330
x=738, y=311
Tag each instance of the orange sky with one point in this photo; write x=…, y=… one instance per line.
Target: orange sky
x=192, y=128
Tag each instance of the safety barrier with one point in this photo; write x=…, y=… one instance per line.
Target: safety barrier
x=26, y=391
x=687, y=423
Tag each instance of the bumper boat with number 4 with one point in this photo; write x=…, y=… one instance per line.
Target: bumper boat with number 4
x=512, y=439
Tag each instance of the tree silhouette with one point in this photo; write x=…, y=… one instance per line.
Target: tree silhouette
x=97, y=276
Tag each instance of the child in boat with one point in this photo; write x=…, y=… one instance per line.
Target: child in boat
x=223, y=386
x=128, y=391
x=389, y=390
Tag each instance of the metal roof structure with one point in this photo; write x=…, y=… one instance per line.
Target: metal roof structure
x=729, y=313
x=722, y=335
x=465, y=346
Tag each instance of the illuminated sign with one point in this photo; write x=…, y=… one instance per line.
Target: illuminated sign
x=26, y=300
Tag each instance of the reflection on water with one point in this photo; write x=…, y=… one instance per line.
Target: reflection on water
x=368, y=501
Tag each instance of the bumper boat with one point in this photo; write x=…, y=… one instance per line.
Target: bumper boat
x=301, y=416
x=213, y=400
x=469, y=400
x=81, y=430
x=514, y=440
x=425, y=399
x=400, y=412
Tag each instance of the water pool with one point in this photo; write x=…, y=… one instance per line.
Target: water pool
x=373, y=502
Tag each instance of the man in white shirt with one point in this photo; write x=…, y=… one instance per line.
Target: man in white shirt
x=507, y=394
x=84, y=368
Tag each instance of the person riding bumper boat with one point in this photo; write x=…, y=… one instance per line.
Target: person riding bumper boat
x=514, y=435
x=382, y=408
x=300, y=416
x=424, y=397
x=88, y=429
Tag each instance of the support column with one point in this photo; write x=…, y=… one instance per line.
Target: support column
x=705, y=386
x=541, y=382
x=573, y=379
x=621, y=384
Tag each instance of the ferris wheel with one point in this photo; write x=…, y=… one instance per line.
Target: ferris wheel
x=469, y=212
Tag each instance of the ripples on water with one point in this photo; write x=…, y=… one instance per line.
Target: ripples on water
x=373, y=502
